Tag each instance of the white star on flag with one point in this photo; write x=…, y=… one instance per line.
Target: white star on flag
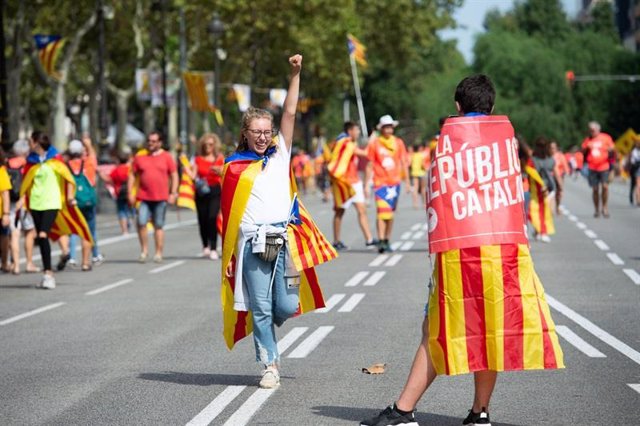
x=392, y=192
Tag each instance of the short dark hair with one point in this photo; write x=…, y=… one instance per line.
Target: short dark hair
x=476, y=94
x=158, y=133
x=541, y=147
x=41, y=139
x=349, y=125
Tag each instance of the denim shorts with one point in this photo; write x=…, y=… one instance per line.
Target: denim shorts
x=124, y=210
x=154, y=211
x=598, y=178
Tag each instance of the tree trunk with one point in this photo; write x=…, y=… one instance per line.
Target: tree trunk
x=94, y=106
x=122, y=113
x=149, y=119
x=59, y=116
x=14, y=101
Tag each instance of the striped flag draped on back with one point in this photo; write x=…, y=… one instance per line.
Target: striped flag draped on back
x=186, y=190
x=540, y=213
x=340, y=158
x=49, y=48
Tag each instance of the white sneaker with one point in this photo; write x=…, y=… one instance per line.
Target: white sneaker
x=206, y=252
x=270, y=378
x=72, y=264
x=98, y=260
x=48, y=282
x=214, y=255
x=545, y=238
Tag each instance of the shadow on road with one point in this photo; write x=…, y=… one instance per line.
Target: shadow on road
x=203, y=379
x=357, y=414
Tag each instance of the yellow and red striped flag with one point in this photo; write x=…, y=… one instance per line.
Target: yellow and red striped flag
x=186, y=189
x=540, y=213
x=49, y=48
x=357, y=50
x=196, y=85
x=488, y=312
x=340, y=158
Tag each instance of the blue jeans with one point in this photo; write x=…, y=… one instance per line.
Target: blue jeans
x=154, y=211
x=269, y=306
x=89, y=214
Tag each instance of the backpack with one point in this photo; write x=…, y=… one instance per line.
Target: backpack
x=85, y=192
x=15, y=175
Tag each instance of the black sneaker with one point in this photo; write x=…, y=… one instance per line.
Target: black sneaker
x=481, y=418
x=390, y=417
x=63, y=261
x=339, y=245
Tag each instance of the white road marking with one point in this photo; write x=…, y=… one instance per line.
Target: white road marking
x=405, y=236
x=394, y=260
x=355, y=280
x=331, y=303
x=578, y=342
x=601, y=245
x=572, y=218
x=395, y=246
x=31, y=313
x=216, y=406
x=108, y=287
x=418, y=235
x=352, y=302
x=379, y=260
x=167, y=266
x=290, y=338
x=635, y=386
x=374, y=278
x=425, y=227
x=310, y=343
x=607, y=338
x=615, y=259
x=581, y=225
x=416, y=226
x=407, y=246
x=633, y=275
x=589, y=233
x=243, y=414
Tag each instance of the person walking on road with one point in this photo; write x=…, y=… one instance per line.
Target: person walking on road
x=118, y=178
x=562, y=169
x=264, y=282
x=541, y=211
x=598, y=150
x=5, y=211
x=206, y=172
x=634, y=173
x=152, y=184
x=388, y=159
x=347, y=187
x=486, y=311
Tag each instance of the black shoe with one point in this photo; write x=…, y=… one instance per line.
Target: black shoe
x=373, y=243
x=387, y=246
x=63, y=261
x=381, y=247
x=390, y=417
x=339, y=245
x=481, y=418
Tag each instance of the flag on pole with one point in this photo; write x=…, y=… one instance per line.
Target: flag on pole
x=243, y=96
x=277, y=96
x=357, y=50
x=196, y=84
x=49, y=48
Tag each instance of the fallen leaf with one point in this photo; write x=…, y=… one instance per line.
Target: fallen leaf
x=374, y=369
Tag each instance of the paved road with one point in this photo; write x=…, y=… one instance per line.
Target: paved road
x=132, y=344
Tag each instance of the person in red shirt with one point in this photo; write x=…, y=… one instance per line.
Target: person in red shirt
x=118, y=178
x=561, y=170
x=598, y=152
x=152, y=184
x=206, y=171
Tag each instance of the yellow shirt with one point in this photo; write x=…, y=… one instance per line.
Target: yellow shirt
x=417, y=164
x=45, y=191
x=5, y=185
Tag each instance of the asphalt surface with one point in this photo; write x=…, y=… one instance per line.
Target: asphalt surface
x=132, y=344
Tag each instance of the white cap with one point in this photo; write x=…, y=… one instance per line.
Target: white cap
x=75, y=147
x=386, y=120
x=20, y=147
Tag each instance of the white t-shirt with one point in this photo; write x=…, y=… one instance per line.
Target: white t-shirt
x=270, y=199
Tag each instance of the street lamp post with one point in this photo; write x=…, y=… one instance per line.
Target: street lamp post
x=216, y=28
x=102, y=84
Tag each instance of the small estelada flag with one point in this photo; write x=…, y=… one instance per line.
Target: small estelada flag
x=49, y=48
x=357, y=50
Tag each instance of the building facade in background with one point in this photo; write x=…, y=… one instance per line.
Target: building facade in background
x=627, y=19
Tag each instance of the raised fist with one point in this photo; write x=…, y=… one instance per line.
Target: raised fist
x=296, y=63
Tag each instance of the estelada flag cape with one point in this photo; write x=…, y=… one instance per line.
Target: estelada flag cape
x=341, y=156
x=307, y=245
x=540, y=213
x=487, y=309
x=70, y=219
x=186, y=189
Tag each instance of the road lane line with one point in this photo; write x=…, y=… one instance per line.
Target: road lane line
x=416, y=226
x=310, y=343
x=607, y=338
x=352, y=302
x=615, y=259
x=405, y=236
x=290, y=338
x=572, y=218
x=407, y=246
x=578, y=342
x=108, y=287
x=331, y=303
x=601, y=245
x=395, y=246
x=374, y=278
x=216, y=406
x=633, y=275
x=589, y=233
x=31, y=313
x=166, y=267
x=581, y=225
x=635, y=386
x=394, y=260
x=379, y=260
x=418, y=235
x=355, y=280
x=243, y=414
